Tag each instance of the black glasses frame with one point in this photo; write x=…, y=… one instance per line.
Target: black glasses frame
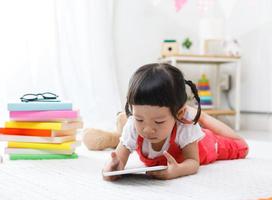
x=35, y=97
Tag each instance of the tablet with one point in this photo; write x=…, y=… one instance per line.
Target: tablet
x=135, y=170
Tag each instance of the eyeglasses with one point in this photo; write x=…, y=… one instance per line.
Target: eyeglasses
x=47, y=96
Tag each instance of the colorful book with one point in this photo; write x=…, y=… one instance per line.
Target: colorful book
x=20, y=138
x=46, y=115
x=45, y=125
x=30, y=106
x=37, y=151
x=36, y=132
x=31, y=145
x=41, y=156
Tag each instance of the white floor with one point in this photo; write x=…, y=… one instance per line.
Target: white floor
x=256, y=135
x=81, y=178
x=256, y=140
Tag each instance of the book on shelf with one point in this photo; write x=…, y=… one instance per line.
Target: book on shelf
x=20, y=138
x=32, y=145
x=36, y=132
x=37, y=151
x=41, y=156
x=45, y=125
x=31, y=106
x=45, y=115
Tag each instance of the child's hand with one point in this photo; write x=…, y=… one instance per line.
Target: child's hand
x=170, y=172
x=182, y=113
x=113, y=165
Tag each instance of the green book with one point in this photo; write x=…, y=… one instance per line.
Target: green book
x=41, y=156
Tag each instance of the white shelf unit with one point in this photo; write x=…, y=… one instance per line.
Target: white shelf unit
x=217, y=61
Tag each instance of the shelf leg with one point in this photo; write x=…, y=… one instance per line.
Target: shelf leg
x=173, y=62
x=217, y=83
x=237, y=96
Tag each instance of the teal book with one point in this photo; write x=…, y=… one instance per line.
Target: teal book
x=31, y=106
x=41, y=156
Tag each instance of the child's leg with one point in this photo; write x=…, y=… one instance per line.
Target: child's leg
x=230, y=138
x=208, y=122
x=229, y=148
x=96, y=139
x=219, y=128
x=217, y=147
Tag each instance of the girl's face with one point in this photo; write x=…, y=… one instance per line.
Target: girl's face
x=153, y=123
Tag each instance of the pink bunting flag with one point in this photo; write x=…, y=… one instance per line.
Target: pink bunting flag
x=179, y=4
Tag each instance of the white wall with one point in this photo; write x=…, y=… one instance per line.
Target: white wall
x=141, y=26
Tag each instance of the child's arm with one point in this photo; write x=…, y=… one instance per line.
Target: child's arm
x=118, y=161
x=189, y=166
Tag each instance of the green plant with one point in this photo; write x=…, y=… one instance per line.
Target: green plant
x=187, y=43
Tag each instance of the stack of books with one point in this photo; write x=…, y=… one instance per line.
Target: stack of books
x=41, y=130
x=204, y=93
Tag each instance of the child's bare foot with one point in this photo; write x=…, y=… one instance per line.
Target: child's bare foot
x=96, y=139
x=121, y=120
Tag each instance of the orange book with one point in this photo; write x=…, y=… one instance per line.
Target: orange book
x=58, y=126
x=36, y=132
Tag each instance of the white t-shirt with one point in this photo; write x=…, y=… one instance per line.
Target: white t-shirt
x=186, y=134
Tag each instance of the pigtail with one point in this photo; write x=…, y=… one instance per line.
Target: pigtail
x=194, y=90
x=128, y=112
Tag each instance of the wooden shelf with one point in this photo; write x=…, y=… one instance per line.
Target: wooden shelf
x=219, y=112
x=201, y=58
x=217, y=61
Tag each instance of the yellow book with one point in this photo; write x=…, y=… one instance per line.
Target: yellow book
x=65, y=125
x=48, y=146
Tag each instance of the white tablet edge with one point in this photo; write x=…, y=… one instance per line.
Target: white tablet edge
x=134, y=170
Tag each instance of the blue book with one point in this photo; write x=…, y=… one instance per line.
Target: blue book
x=30, y=106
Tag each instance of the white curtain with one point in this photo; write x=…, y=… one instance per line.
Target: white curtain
x=60, y=46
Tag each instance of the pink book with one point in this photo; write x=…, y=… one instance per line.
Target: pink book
x=48, y=115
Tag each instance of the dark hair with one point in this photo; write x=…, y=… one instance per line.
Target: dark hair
x=160, y=84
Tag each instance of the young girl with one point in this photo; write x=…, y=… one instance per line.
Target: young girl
x=160, y=127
